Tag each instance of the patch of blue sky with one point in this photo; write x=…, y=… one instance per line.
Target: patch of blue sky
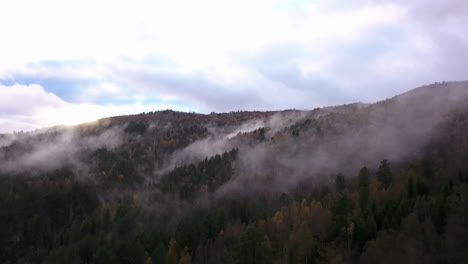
x=7, y=82
x=68, y=90
x=61, y=63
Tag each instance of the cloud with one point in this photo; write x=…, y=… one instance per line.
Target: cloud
x=224, y=55
x=432, y=11
x=54, y=149
x=23, y=100
x=28, y=107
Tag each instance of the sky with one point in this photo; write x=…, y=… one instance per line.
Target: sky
x=66, y=62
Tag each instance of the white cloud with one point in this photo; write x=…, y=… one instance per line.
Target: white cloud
x=28, y=107
x=195, y=34
x=215, y=55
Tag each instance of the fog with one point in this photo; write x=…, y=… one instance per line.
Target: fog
x=294, y=149
x=221, y=140
x=397, y=130
x=52, y=149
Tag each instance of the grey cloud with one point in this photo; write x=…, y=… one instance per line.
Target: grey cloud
x=433, y=10
x=278, y=65
x=194, y=89
x=349, y=76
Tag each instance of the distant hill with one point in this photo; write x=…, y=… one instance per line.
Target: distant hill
x=244, y=187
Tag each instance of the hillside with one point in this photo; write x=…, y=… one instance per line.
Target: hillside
x=360, y=183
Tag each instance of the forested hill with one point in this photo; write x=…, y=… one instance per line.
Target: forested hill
x=361, y=183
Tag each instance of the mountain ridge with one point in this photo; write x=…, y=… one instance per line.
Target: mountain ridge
x=435, y=85
x=348, y=182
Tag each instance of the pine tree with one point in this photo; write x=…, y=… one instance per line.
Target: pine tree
x=384, y=174
x=363, y=182
x=340, y=182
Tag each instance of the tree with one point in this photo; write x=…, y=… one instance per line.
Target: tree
x=427, y=167
x=172, y=257
x=303, y=243
x=363, y=183
x=87, y=248
x=255, y=247
x=305, y=210
x=410, y=187
x=340, y=182
x=456, y=231
x=384, y=174
x=131, y=252
x=185, y=257
x=320, y=220
x=341, y=210
x=364, y=229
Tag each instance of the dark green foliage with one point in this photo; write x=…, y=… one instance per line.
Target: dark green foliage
x=87, y=248
x=130, y=252
x=134, y=127
x=427, y=167
x=254, y=248
x=209, y=174
x=111, y=214
x=456, y=230
x=340, y=183
x=34, y=211
x=363, y=185
x=54, y=219
x=421, y=188
x=384, y=174
x=341, y=211
x=364, y=229
x=410, y=188
x=391, y=213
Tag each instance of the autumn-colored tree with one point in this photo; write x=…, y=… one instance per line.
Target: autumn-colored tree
x=303, y=243
x=320, y=219
x=305, y=210
x=185, y=257
x=294, y=212
x=172, y=256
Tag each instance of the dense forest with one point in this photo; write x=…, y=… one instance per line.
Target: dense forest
x=359, y=183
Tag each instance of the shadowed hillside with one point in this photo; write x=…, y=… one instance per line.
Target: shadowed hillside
x=384, y=182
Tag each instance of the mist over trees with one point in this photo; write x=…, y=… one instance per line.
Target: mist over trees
x=360, y=183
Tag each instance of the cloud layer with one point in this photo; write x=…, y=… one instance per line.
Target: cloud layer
x=90, y=59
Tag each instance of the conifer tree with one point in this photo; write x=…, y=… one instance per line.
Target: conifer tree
x=384, y=174
x=363, y=182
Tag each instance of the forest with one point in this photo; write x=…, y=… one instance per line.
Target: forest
x=359, y=183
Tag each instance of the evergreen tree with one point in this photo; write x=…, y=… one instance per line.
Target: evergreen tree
x=340, y=182
x=341, y=211
x=384, y=174
x=363, y=184
x=255, y=247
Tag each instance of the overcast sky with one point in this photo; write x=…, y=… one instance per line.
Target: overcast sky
x=65, y=62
